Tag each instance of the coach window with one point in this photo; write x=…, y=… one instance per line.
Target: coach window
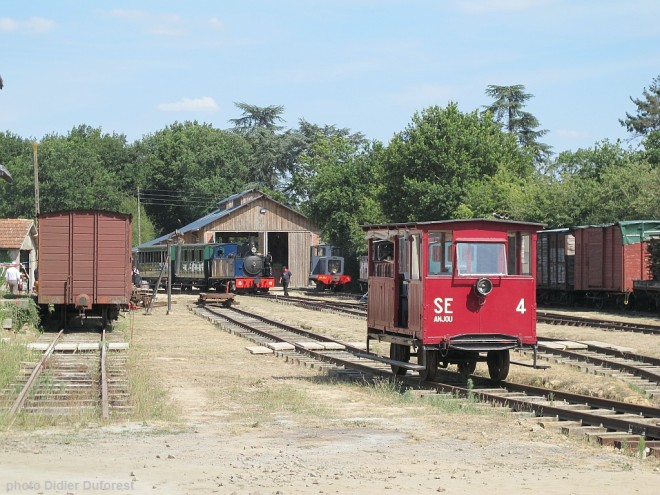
x=519, y=253
x=440, y=256
x=481, y=258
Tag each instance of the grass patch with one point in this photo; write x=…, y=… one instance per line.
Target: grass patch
x=278, y=401
x=148, y=399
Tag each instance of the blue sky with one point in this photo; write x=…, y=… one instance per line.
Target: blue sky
x=135, y=67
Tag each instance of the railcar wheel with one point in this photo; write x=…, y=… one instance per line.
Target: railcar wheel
x=498, y=365
x=431, y=361
x=467, y=368
x=399, y=352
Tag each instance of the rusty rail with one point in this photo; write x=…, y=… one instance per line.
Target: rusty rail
x=20, y=400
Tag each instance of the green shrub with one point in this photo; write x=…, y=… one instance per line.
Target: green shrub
x=21, y=311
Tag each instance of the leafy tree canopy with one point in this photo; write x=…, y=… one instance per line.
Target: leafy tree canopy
x=429, y=167
x=508, y=110
x=647, y=117
x=186, y=168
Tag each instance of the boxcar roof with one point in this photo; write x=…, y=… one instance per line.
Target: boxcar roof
x=632, y=231
x=410, y=225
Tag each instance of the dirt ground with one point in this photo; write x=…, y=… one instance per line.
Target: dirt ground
x=257, y=425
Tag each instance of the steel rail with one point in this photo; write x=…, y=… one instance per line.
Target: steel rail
x=605, y=363
x=610, y=422
x=556, y=318
x=20, y=400
x=105, y=403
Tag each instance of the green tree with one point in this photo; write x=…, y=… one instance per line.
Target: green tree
x=647, y=118
x=602, y=184
x=16, y=156
x=273, y=152
x=184, y=169
x=430, y=167
x=82, y=170
x=508, y=110
x=310, y=152
x=343, y=192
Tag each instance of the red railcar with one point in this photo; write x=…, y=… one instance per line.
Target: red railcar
x=85, y=263
x=452, y=292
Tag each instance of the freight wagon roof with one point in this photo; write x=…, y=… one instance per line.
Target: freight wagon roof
x=632, y=231
x=553, y=231
x=74, y=212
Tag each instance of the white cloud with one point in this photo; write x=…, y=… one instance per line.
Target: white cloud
x=157, y=24
x=31, y=25
x=203, y=104
x=216, y=23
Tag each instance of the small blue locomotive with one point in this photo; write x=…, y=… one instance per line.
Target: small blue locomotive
x=227, y=267
x=327, y=268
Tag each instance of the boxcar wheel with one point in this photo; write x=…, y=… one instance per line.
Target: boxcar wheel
x=431, y=362
x=498, y=365
x=399, y=352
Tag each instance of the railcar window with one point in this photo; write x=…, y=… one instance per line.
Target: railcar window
x=481, y=258
x=336, y=251
x=404, y=254
x=519, y=253
x=334, y=266
x=415, y=254
x=383, y=264
x=440, y=257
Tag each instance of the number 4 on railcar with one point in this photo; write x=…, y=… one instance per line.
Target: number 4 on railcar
x=452, y=292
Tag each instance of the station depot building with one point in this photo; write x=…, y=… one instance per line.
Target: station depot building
x=254, y=217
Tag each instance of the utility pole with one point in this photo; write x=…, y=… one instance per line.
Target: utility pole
x=139, y=223
x=36, y=179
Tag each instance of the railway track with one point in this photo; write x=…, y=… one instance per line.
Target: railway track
x=571, y=320
x=608, y=421
x=359, y=311
x=642, y=372
x=345, y=308
x=81, y=374
x=639, y=371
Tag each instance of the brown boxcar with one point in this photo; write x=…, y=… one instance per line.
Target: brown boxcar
x=85, y=262
x=609, y=257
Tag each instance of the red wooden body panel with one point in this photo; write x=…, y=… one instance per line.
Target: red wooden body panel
x=452, y=308
x=635, y=264
x=604, y=263
x=84, y=253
